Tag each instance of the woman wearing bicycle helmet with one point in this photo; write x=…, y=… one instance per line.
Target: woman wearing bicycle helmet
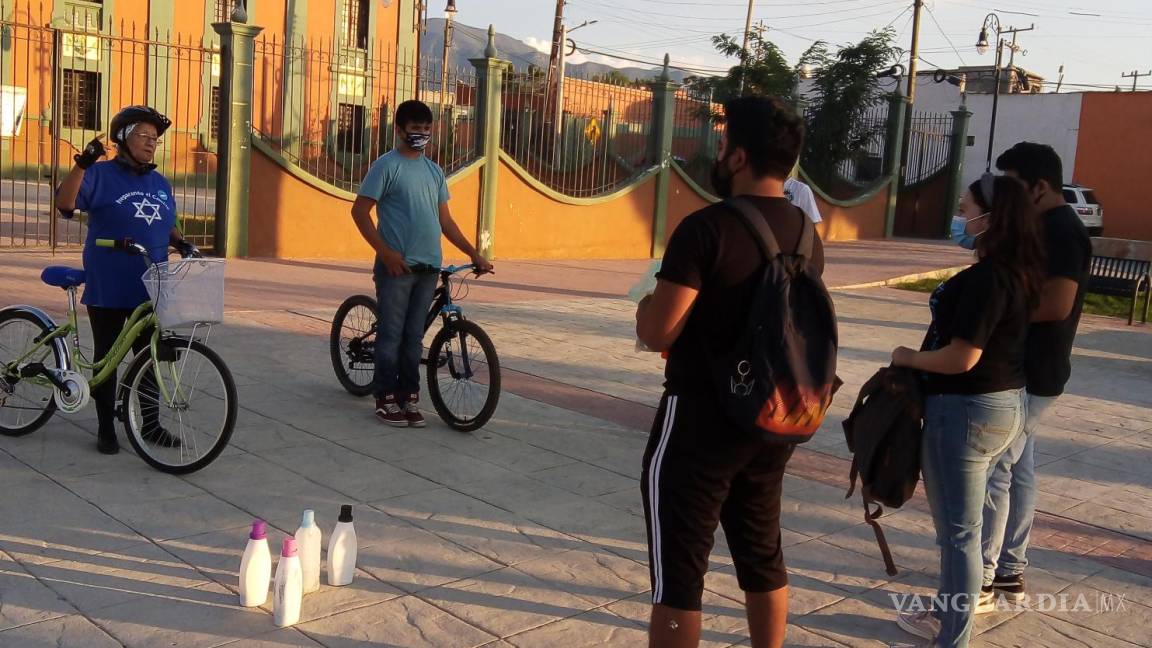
x=124, y=197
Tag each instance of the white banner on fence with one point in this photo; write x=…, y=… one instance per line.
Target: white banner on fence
x=12, y=102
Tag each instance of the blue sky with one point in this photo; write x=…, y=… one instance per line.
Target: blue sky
x=1094, y=49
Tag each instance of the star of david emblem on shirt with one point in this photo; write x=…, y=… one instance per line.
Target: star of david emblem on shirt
x=147, y=210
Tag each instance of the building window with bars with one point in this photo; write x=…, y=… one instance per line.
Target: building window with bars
x=222, y=11
x=214, y=126
x=355, y=23
x=350, y=129
x=80, y=99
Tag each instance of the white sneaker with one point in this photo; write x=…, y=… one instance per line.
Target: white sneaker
x=987, y=602
x=921, y=624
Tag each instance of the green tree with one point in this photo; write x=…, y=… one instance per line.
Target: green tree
x=842, y=121
x=763, y=70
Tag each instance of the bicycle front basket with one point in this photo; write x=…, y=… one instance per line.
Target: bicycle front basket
x=187, y=292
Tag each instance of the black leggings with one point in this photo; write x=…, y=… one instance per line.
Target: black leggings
x=106, y=326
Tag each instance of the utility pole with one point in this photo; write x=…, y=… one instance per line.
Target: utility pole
x=913, y=59
x=557, y=39
x=1135, y=76
x=744, y=48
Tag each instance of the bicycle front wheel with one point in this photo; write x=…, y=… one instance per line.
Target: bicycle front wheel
x=25, y=403
x=352, y=344
x=463, y=376
x=179, y=407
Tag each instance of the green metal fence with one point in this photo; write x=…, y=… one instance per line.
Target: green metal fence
x=60, y=85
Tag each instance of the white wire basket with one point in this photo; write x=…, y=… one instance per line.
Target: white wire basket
x=187, y=292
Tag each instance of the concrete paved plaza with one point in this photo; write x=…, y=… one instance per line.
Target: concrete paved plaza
x=530, y=532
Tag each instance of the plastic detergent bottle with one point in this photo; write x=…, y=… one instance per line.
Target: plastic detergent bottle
x=308, y=541
x=342, y=549
x=255, y=567
x=288, y=592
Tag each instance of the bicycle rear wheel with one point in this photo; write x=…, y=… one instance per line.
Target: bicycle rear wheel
x=463, y=376
x=352, y=344
x=25, y=403
x=187, y=430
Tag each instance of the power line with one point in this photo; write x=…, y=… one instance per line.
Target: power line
x=774, y=18
x=932, y=15
x=673, y=66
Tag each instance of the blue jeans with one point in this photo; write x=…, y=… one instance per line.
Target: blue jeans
x=963, y=437
x=1010, y=505
x=403, y=309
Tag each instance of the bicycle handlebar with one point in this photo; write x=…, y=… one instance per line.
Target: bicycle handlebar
x=453, y=269
x=125, y=244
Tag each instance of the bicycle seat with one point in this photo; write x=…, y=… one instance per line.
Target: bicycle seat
x=62, y=276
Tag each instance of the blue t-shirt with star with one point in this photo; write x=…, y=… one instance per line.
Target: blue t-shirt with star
x=122, y=203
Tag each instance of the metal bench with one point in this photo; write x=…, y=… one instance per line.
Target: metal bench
x=1122, y=278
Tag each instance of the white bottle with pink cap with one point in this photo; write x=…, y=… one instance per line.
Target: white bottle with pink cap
x=288, y=592
x=256, y=567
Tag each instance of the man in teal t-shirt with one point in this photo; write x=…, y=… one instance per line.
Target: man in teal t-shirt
x=410, y=194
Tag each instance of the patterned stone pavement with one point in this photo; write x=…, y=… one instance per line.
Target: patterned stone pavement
x=530, y=532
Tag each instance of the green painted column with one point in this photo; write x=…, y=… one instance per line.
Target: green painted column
x=234, y=163
x=959, y=145
x=663, y=121
x=896, y=109
x=490, y=72
x=295, y=30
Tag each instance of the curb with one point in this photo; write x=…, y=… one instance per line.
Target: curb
x=943, y=273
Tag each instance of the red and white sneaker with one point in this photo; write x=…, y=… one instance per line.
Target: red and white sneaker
x=390, y=413
x=412, y=412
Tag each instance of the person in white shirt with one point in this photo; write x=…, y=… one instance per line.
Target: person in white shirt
x=801, y=195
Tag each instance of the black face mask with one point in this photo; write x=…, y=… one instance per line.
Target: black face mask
x=721, y=179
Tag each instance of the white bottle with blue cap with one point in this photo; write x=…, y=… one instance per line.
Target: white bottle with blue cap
x=309, y=541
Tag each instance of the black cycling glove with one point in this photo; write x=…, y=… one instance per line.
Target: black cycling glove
x=91, y=153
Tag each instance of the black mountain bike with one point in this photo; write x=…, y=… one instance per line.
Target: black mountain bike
x=462, y=368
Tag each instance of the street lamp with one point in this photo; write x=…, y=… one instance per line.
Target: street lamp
x=449, y=16
x=993, y=21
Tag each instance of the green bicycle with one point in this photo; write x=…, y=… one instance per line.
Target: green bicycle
x=177, y=400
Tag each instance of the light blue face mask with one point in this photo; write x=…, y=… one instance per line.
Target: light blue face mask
x=960, y=232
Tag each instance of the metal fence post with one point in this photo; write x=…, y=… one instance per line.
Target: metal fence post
x=956, y=153
x=898, y=104
x=489, y=120
x=664, y=122
x=234, y=162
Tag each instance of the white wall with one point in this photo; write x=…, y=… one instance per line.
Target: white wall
x=1052, y=119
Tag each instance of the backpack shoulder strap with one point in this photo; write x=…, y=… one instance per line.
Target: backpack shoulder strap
x=807, y=236
x=754, y=221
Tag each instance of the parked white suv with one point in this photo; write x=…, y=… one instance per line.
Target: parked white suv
x=1083, y=200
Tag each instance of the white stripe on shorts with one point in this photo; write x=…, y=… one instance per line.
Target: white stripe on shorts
x=654, y=499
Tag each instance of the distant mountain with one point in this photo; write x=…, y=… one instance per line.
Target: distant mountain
x=469, y=43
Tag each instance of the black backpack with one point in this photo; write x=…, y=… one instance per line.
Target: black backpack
x=884, y=433
x=778, y=379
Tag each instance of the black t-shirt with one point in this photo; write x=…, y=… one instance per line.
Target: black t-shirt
x=982, y=306
x=1049, y=361
x=715, y=253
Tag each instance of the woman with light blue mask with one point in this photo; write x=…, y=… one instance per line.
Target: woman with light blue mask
x=972, y=363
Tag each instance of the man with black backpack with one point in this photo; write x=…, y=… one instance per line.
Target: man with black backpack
x=742, y=311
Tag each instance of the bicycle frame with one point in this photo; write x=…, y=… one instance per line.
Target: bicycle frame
x=442, y=305
x=102, y=370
